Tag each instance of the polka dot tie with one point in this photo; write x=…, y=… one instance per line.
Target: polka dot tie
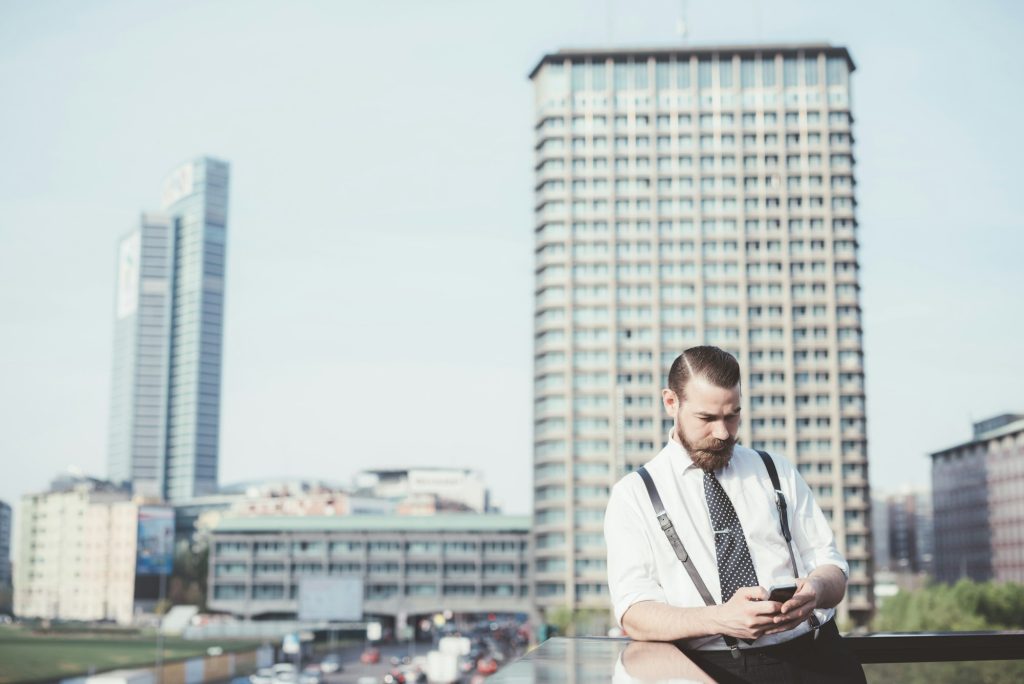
x=735, y=567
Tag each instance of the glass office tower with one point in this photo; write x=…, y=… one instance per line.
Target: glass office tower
x=165, y=400
x=690, y=196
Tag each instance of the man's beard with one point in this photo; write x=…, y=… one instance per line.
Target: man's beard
x=710, y=454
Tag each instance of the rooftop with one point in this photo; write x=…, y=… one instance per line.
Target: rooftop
x=453, y=522
x=669, y=51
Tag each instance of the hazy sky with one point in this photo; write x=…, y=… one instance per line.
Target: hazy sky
x=379, y=289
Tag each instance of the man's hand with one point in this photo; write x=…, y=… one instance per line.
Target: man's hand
x=797, y=609
x=748, y=614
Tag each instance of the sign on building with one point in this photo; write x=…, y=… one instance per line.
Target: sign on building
x=155, y=549
x=330, y=598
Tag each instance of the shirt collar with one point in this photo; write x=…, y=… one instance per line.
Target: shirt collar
x=680, y=457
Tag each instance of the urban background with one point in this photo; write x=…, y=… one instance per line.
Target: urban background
x=326, y=329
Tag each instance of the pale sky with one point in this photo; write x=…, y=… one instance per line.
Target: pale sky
x=379, y=285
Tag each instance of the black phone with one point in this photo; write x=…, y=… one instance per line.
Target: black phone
x=781, y=592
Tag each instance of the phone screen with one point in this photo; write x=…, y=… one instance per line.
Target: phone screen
x=782, y=594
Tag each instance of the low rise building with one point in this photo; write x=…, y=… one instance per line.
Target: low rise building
x=88, y=551
x=410, y=566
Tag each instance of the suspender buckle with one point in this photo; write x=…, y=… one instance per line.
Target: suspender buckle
x=735, y=650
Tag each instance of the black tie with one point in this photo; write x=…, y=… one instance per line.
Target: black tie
x=735, y=568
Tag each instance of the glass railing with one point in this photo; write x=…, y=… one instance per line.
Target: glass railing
x=991, y=657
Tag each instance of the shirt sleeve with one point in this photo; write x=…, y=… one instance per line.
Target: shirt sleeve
x=632, y=575
x=812, y=533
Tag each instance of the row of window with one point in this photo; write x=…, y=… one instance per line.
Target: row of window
x=272, y=592
x=809, y=70
x=687, y=227
x=342, y=547
x=684, y=141
x=707, y=120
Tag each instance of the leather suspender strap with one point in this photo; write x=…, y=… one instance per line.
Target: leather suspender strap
x=680, y=550
x=780, y=503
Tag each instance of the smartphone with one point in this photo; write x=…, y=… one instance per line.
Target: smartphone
x=781, y=592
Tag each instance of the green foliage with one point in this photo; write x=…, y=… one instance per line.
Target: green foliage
x=583, y=622
x=963, y=607
x=187, y=585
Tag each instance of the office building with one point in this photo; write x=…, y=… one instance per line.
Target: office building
x=86, y=552
x=5, y=557
x=165, y=397
x=690, y=196
x=978, y=502
x=409, y=567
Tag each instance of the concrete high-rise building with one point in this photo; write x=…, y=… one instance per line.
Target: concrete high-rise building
x=687, y=196
x=165, y=398
x=978, y=500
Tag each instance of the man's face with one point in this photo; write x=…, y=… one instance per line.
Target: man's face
x=707, y=420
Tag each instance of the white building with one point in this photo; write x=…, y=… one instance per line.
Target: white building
x=456, y=485
x=689, y=196
x=79, y=551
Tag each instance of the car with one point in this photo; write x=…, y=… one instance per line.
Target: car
x=370, y=656
x=264, y=675
x=331, y=663
x=393, y=677
x=487, y=666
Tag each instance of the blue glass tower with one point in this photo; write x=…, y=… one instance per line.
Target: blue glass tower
x=165, y=400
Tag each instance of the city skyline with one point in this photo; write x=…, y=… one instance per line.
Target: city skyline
x=381, y=285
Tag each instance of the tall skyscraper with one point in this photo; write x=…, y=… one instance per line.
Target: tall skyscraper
x=688, y=196
x=165, y=399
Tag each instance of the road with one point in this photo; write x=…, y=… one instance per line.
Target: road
x=353, y=669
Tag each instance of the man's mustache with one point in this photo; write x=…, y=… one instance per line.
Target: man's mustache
x=714, y=445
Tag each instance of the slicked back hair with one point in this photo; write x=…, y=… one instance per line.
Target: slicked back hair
x=715, y=365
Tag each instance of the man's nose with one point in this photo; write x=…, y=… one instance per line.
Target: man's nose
x=720, y=431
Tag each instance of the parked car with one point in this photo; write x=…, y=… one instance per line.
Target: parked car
x=394, y=677
x=487, y=666
x=264, y=675
x=370, y=656
x=331, y=663
x=311, y=675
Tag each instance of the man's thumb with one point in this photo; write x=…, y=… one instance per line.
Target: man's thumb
x=753, y=593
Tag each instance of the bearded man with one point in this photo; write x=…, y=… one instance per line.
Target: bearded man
x=701, y=532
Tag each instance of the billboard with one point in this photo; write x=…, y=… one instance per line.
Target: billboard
x=331, y=598
x=128, y=259
x=155, y=547
x=179, y=184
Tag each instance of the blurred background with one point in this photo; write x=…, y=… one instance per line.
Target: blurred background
x=284, y=274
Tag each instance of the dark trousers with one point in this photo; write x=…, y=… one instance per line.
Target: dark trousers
x=804, y=659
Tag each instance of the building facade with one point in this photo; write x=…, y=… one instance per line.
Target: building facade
x=902, y=531
x=460, y=486
x=685, y=197
x=978, y=502
x=78, y=553
x=409, y=566
x=5, y=556
x=165, y=398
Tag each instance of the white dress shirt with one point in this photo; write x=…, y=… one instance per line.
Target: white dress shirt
x=643, y=567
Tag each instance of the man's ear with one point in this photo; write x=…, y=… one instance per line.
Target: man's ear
x=670, y=400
